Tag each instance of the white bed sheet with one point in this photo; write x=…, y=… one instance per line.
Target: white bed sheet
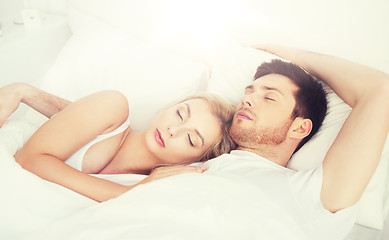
x=360, y=232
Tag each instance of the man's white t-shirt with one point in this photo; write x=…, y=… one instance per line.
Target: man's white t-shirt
x=288, y=201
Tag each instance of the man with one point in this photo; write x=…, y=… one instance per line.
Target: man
x=270, y=124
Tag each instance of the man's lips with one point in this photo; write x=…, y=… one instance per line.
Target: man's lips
x=159, y=138
x=243, y=115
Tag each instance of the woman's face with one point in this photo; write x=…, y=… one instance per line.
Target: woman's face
x=182, y=133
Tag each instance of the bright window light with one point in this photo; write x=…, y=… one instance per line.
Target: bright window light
x=202, y=26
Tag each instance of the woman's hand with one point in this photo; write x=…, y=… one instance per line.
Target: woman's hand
x=43, y=102
x=9, y=101
x=163, y=172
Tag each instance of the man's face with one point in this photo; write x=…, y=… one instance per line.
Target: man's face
x=264, y=115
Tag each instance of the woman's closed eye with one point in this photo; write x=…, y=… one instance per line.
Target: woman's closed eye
x=179, y=114
x=190, y=140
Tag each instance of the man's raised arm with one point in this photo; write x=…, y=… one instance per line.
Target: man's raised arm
x=12, y=95
x=355, y=153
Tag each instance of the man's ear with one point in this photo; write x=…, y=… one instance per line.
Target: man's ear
x=300, y=128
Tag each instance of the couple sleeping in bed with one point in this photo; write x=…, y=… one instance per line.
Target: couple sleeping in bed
x=282, y=108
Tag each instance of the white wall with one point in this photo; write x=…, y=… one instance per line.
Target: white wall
x=8, y=7
x=356, y=29
x=34, y=52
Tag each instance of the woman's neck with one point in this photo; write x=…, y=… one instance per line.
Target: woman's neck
x=132, y=157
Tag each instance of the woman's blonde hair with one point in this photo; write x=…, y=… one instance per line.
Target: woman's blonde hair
x=224, y=112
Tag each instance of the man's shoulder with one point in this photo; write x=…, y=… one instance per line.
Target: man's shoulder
x=239, y=161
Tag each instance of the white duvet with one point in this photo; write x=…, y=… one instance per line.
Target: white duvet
x=187, y=206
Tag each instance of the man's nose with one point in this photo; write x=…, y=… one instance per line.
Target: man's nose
x=248, y=100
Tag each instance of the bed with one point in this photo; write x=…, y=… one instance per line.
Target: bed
x=116, y=45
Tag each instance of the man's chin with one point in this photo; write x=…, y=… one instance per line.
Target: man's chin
x=242, y=136
x=251, y=137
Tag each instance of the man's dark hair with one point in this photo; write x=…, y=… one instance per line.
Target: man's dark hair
x=311, y=99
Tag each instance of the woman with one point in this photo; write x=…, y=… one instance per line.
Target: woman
x=93, y=136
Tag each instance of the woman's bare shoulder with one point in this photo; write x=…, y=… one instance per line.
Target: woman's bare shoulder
x=79, y=123
x=111, y=105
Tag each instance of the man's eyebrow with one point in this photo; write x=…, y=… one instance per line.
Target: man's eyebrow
x=249, y=87
x=273, y=89
x=197, y=132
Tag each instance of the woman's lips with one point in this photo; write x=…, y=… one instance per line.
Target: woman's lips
x=243, y=115
x=159, y=138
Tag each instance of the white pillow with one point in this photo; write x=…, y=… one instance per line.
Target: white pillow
x=106, y=58
x=235, y=69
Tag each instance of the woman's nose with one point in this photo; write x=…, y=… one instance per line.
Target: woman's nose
x=172, y=131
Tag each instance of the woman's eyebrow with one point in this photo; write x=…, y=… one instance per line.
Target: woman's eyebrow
x=187, y=109
x=197, y=132
x=200, y=136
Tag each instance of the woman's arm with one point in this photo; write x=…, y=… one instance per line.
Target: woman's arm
x=354, y=155
x=12, y=95
x=47, y=149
